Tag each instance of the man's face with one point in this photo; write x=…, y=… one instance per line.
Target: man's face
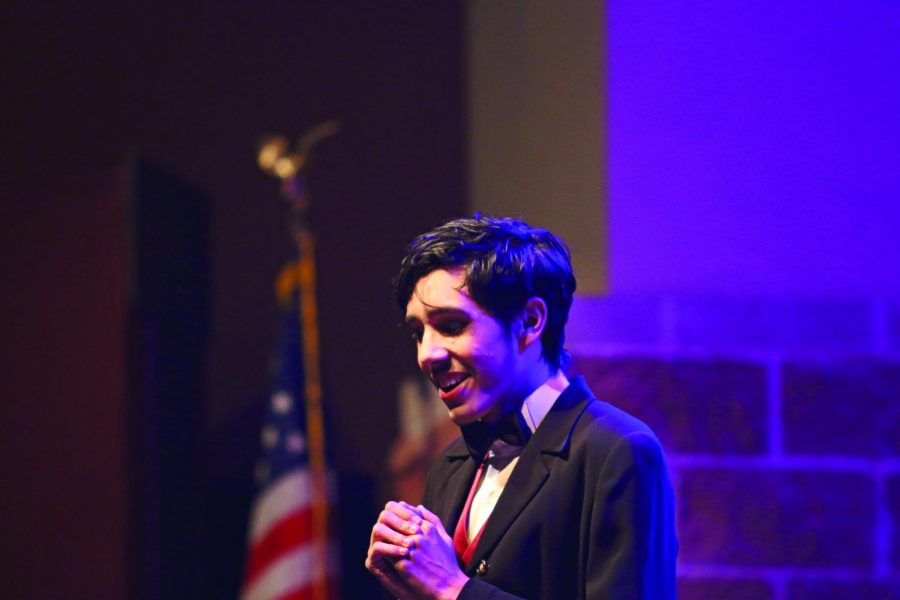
x=468, y=355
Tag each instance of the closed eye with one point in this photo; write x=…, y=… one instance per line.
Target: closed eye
x=447, y=322
x=452, y=327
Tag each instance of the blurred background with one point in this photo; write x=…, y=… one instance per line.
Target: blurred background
x=727, y=176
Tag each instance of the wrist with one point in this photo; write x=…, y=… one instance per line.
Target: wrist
x=453, y=588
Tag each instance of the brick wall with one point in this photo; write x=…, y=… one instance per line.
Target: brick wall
x=781, y=421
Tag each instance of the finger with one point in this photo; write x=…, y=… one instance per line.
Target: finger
x=381, y=551
x=407, y=564
x=383, y=533
x=429, y=516
x=403, y=510
x=416, y=519
x=435, y=521
x=410, y=508
x=390, y=580
x=397, y=523
x=376, y=561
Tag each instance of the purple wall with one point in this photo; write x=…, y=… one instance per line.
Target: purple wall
x=754, y=147
x=754, y=322
x=781, y=424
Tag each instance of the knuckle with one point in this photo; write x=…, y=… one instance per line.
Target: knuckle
x=379, y=533
x=384, y=531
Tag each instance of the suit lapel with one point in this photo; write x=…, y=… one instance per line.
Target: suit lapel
x=460, y=472
x=530, y=473
x=527, y=477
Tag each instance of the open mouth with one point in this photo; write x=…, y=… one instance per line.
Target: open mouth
x=449, y=382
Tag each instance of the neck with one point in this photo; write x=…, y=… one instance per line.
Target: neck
x=556, y=380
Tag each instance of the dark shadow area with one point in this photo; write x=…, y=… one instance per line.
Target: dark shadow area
x=191, y=87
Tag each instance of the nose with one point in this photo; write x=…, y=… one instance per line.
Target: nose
x=432, y=352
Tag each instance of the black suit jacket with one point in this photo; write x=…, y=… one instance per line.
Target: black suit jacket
x=588, y=511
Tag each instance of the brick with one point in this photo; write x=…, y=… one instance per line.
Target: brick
x=722, y=589
x=693, y=406
x=772, y=324
x=843, y=590
x=614, y=319
x=893, y=506
x=847, y=408
x=756, y=517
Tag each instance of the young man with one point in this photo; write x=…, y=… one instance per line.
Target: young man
x=550, y=493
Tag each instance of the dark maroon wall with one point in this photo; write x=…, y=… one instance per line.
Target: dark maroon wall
x=62, y=415
x=191, y=86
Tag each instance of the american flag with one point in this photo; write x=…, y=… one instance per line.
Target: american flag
x=290, y=556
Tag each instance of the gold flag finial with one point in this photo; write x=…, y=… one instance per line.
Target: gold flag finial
x=275, y=157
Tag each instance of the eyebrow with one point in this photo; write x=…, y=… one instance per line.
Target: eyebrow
x=435, y=311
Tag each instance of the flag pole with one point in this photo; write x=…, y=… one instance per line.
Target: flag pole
x=315, y=427
x=290, y=168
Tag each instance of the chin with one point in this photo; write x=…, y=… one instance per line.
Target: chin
x=461, y=419
x=461, y=416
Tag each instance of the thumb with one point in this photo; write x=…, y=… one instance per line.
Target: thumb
x=436, y=522
x=429, y=516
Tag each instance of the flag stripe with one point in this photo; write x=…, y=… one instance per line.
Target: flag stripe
x=291, y=492
x=291, y=532
x=293, y=571
x=306, y=592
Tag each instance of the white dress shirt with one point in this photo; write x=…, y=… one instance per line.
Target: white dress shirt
x=502, y=458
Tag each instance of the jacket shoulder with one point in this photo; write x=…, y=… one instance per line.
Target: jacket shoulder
x=603, y=427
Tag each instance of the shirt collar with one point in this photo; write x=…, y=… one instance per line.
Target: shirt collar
x=515, y=428
x=540, y=401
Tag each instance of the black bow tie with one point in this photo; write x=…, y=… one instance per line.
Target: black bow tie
x=511, y=429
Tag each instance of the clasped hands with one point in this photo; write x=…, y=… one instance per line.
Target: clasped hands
x=411, y=554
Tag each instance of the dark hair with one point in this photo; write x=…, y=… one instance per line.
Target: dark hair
x=507, y=262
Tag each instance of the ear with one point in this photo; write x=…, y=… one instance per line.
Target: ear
x=532, y=321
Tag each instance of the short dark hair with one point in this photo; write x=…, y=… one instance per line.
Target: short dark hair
x=507, y=261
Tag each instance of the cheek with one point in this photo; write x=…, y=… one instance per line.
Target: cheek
x=493, y=366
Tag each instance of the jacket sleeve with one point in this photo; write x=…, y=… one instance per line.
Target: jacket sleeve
x=632, y=546
x=476, y=589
